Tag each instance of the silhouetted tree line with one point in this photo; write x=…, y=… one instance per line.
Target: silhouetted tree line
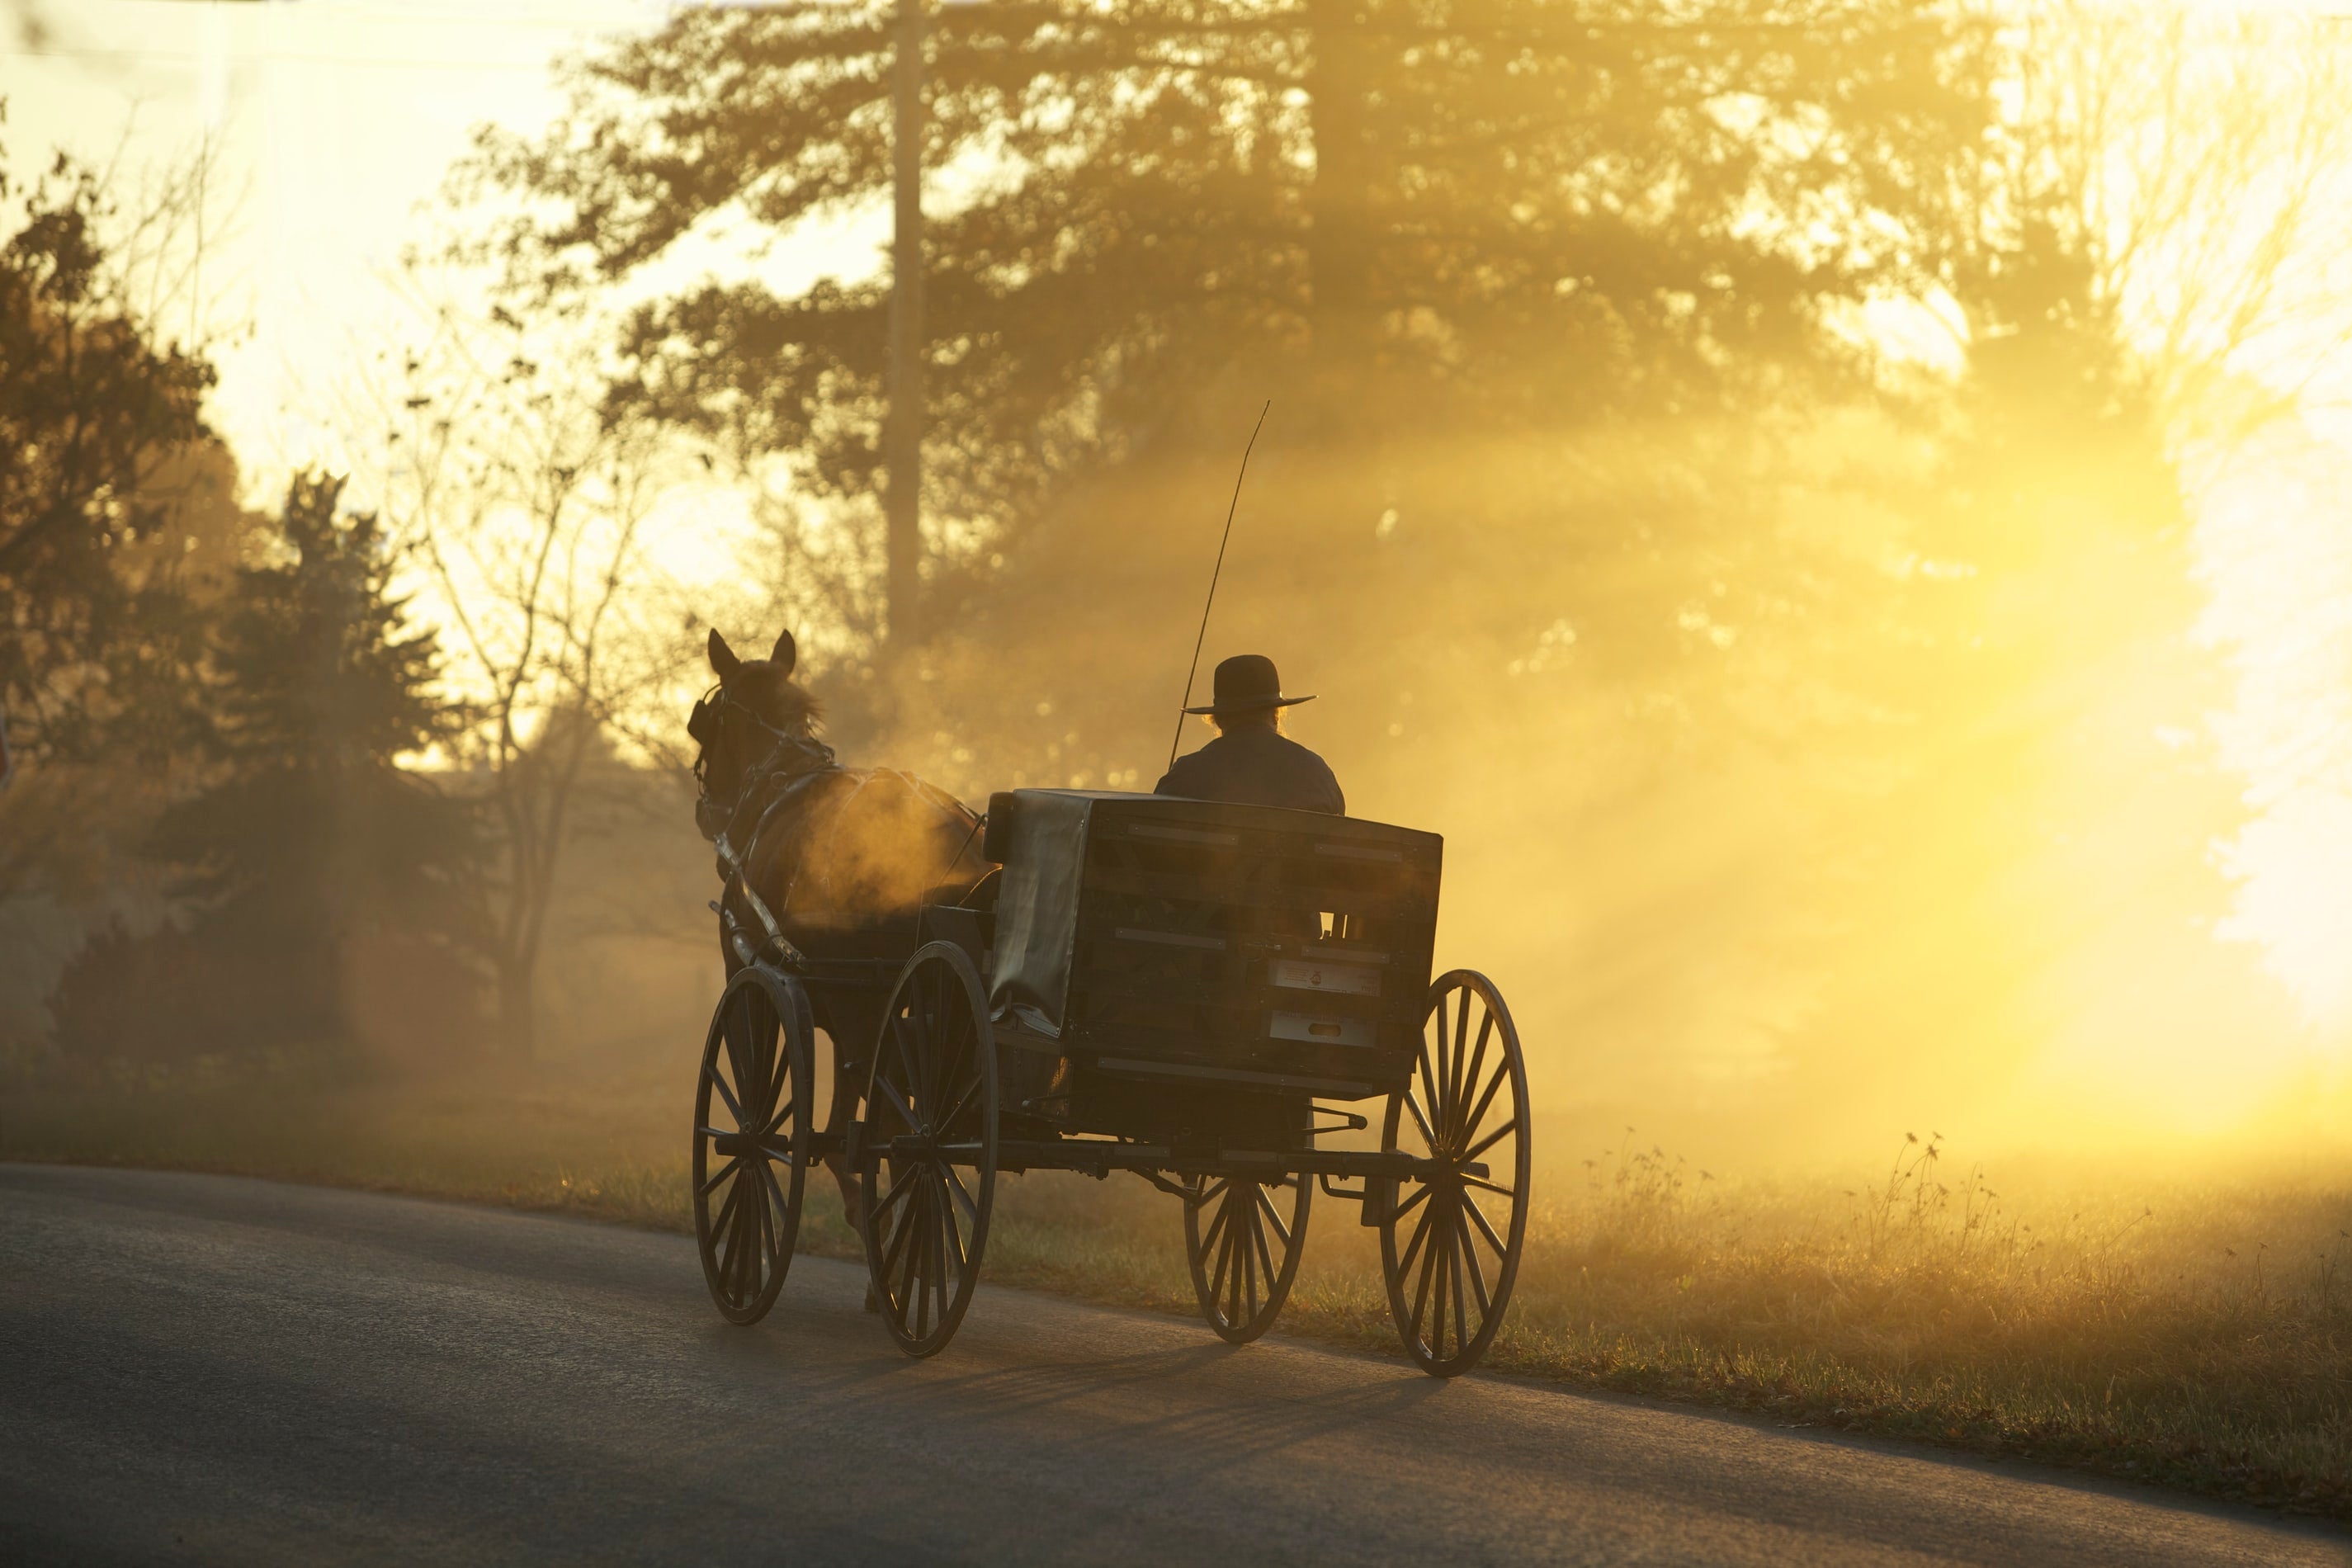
x=258, y=673
x=1592, y=498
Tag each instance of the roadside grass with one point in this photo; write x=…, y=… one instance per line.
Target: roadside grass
x=2193, y=1335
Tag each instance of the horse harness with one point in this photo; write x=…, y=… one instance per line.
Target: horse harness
x=792, y=764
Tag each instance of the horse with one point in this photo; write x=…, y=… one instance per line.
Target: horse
x=843, y=860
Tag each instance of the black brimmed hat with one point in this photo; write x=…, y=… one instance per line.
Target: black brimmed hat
x=1247, y=683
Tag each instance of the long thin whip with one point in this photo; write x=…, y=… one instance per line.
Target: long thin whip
x=1193, y=670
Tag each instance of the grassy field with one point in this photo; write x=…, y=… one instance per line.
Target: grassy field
x=2197, y=1336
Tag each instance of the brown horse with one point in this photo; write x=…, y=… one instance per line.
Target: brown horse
x=843, y=858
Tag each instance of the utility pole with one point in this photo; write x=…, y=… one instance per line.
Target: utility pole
x=902, y=431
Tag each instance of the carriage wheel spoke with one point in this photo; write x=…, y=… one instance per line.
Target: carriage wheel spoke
x=775, y=1192
x=1420, y=1194
x=1245, y=1270
x=725, y=1171
x=899, y=1234
x=1461, y=1044
x=734, y=1108
x=1264, y=1253
x=779, y=1083
x=1466, y=1253
x=1428, y=1086
x=1258, y=1282
x=940, y=1288
x=1421, y=1121
x=739, y=1244
x=764, y=1237
x=910, y=1267
x=947, y=1227
x=1466, y=1124
x=899, y=1105
x=779, y=1118
x=1453, y=1269
x=1488, y=1141
x=1273, y=1216
x=1470, y=1123
x=923, y=1269
x=726, y=1209
x=1438, y=1296
x=725, y=1232
x=1225, y=1262
x=1421, y=1290
x=964, y=1104
x=899, y=1189
x=1478, y=1218
x=1217, y=1227
x=1485, y=1186
x=1420, y=1235
x=954, y=1053
x=971, y=1209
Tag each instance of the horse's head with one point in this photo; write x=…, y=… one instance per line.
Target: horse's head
x=757, y=710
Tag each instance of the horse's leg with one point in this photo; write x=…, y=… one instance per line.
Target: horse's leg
x=856, y=1019
x=852, y=1024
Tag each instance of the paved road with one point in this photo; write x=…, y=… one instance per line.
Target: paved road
x=204, y=1369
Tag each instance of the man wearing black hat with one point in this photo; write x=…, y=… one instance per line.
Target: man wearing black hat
x=1251, y=761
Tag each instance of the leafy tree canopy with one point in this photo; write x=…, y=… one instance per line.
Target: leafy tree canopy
x=1429, y=229
x=95, y=415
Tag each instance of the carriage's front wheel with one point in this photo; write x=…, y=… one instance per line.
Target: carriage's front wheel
x=750, y=1141
x=1450, y=1239
x=1243, y=1238
x=929, y=1148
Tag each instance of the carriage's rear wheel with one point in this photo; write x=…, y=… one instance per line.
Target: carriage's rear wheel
x=929, y=1148
x=751, y=1110
x=1243, y=1237
x=1450, y=1242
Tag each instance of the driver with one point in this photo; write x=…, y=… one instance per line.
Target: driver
x=1251, y=761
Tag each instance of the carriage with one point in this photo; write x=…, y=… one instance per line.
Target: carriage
x=1194, y=991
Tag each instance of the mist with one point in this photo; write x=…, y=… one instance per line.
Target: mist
x=1808, y=527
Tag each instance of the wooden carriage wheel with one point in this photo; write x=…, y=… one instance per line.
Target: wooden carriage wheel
x=751, y=1110
x=1244, y=1257
x=931, y=1093
x=1450, y=1244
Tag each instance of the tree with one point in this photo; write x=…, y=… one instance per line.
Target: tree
x=1482, y=228
x=2057, y=794
x=94, y=411
x=311, y=832
x=524, y=505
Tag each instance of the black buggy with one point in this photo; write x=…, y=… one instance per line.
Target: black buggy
x=1186, y=990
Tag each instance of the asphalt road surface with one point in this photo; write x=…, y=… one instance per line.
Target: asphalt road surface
x=205, y=1369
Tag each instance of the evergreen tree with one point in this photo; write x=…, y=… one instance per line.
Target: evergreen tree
x=312, y=834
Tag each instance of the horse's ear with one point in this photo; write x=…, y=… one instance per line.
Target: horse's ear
x=785, y=654
x=723, y=662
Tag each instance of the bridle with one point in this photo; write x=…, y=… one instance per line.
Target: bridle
x=767, y=784
x=704, y=725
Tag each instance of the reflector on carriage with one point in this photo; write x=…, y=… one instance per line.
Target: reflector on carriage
x=1202, y=942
